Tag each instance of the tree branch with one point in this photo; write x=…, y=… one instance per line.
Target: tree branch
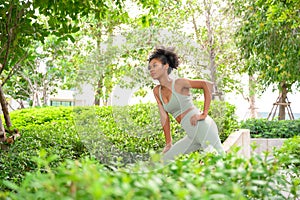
x=10, y=34
x=14, y=69
x=8, y=39
x=28, y=80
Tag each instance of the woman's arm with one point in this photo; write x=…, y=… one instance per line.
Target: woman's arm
x=207, y=87
x=164, y=120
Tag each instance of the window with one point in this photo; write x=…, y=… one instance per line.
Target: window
x=61, y=103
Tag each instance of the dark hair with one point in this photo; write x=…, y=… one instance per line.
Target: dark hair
x=166, y=56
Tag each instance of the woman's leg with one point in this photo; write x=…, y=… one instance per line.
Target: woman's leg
x=201, y=136
x=205, y=132
x=184, y=146
x=208, y=135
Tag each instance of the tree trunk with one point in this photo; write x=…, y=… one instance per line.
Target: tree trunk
x=45, y=94
x=5, y=108
x=212, y=67
x=36, y=99
x=21, y=104
x=252, y=97
x=98, y=93
x=2, y=132
x=282, y=101
x=211, y=50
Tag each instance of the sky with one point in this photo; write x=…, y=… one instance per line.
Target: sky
x=264, y=103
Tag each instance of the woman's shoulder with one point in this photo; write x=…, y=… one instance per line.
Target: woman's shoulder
x=182, y=81
x=188, y=80
x=155, y=89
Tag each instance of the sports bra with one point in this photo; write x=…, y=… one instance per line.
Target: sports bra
x=178, y=103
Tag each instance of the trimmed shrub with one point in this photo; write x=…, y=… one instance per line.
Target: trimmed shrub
x=111, y=134
x=49, y=128
x=263, y=128
x=217, y=177
x=61, y=157
x=289, y=152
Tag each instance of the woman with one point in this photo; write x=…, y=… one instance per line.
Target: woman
x=173, y=96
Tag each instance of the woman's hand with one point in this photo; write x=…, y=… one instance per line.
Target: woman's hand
x=195, y=118
x=167, y=147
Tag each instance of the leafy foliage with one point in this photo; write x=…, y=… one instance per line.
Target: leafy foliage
x=48, y=128
x=54, y=158
x=26, y=22
x=268, y=36
x=111, y=134
x=272, y=129
x=228, y=177
x=289, y=152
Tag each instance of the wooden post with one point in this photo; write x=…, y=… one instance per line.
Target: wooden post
x=286, y=105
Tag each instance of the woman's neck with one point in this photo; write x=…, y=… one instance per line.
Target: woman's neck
x=165, y=81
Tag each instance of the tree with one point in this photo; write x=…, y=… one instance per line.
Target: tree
x=211, y=50
x=269, y=40
x=212, y=29
x=50, y=66
x=22, y=22
x=163, y=26
x=105, y=65
x=99, y=67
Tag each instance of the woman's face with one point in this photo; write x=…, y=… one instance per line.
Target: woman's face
x=156, y=68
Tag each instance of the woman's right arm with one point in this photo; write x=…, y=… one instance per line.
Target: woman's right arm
x=164, y=120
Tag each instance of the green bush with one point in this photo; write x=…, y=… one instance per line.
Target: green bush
x=289, y=152
x=23, y=119
x=50, y=128
x=58, y=154
x=224, y=115
x=109, y=133
x=216, y=177
x=263, y=128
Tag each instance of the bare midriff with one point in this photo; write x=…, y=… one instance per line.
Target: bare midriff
x=179, y=118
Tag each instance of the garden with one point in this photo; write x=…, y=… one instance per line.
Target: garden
x=59, y=155
x=90, y=144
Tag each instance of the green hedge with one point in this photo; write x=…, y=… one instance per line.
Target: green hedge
x=40, y=128
x=75, y=153
x=108, y=133
x=263, y=128
x=289, y=152
x=229, y=177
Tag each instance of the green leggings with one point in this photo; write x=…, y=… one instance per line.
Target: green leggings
x=201, y=136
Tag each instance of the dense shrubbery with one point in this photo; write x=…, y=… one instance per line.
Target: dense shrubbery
x=108, y=133
x=289, y=152
x=216, y=177
x=118, y=139
x=263, y=128
x=49, y=128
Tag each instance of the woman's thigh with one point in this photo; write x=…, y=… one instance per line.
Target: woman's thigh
x=183, y=146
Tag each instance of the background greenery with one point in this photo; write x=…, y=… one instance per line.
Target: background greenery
x=71, y=153
x=229, y=177
x=264, y=128
x=108, y=133
x=111, y=152
x=47, y=46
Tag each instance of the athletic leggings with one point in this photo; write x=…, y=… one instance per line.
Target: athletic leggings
x=201, y=136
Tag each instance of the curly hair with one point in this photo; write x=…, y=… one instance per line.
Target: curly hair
x=166, y=56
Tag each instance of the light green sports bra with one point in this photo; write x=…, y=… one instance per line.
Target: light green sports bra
x=178, y=103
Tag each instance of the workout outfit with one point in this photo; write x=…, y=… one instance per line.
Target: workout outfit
x=201, y=136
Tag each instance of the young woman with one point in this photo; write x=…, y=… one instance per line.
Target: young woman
x=173, y=96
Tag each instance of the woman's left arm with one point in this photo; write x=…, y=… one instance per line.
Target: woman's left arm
x=207, y=87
